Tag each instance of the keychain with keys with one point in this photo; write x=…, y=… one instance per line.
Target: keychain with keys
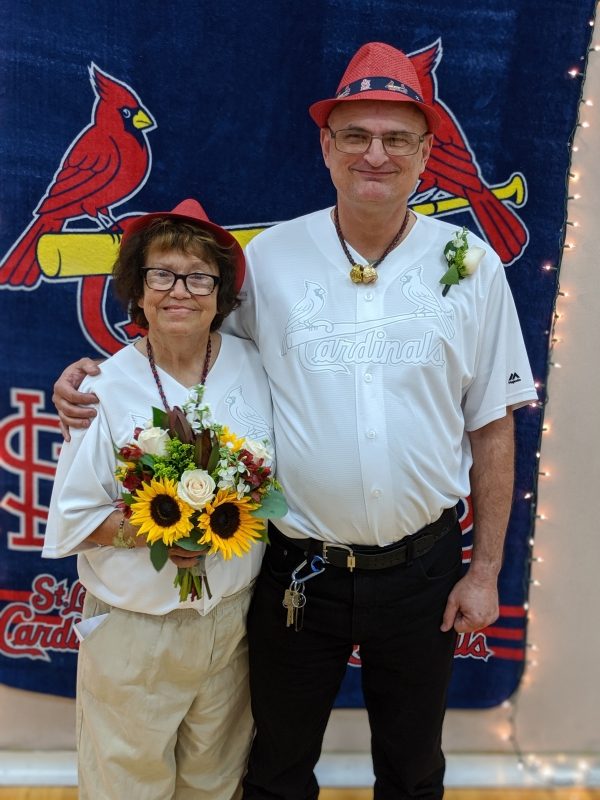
x=294, y=598
x=294, y=601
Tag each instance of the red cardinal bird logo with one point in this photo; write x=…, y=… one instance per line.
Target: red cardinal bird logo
x=452, y=168
x=106, y=164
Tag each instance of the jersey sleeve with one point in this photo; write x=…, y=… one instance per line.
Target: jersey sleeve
x=242, y=322
x=502, y=375
x=84, y=492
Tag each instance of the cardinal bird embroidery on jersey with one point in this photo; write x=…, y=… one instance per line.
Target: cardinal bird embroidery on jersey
x=303, y=313
x=252, y=424
x=106, y=164
x=424, y=299
x=453, y=169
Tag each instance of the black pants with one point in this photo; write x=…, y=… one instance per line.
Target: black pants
x=394, y=615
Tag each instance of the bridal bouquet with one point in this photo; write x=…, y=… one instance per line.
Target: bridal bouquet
x=190, y=481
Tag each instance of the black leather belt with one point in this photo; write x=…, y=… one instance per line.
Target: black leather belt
x=364, y=557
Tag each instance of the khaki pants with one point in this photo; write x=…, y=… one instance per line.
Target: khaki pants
x=163, y=707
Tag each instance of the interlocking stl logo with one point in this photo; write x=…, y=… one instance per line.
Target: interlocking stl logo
x=20, y=446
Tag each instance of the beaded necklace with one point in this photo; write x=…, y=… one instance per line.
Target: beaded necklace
x=159, y=385
x=361, y=273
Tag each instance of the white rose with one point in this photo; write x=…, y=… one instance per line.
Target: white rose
x=472, y=259
x=260, y=450
x=153, y=441
x=196, y=488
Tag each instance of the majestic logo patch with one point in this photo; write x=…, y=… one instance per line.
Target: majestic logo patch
x=514, y=377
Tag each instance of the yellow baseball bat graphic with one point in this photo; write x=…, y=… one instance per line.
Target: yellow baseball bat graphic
x=74, y=255
x=71, y=255
x=513, y=190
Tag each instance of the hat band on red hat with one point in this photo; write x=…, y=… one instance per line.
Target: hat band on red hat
x=378, y=84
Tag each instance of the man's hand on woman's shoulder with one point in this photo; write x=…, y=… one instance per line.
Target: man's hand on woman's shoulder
x=75, y=409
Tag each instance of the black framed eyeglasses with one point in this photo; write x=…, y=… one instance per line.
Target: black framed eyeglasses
x=396, y=143
x=195, y=283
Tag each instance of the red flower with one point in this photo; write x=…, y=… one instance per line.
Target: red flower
x=131, y=452
x=132, y=482
x=121, y=506
x=257, y=474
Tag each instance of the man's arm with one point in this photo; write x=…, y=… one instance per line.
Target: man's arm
x=74, y=408
x=473, y=603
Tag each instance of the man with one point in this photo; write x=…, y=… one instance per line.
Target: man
x=391, y=401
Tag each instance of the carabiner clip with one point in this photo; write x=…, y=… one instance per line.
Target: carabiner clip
x=317, y=566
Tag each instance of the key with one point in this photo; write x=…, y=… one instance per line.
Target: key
x=293, y=600
x=298, y=599
x=288, y=604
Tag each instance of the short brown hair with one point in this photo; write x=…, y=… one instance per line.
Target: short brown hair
x=172, y=234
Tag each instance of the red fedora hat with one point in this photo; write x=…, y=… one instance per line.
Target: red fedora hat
x=191, y=211
x=377, y=71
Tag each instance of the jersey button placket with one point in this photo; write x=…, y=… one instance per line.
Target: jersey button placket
x=369, y=399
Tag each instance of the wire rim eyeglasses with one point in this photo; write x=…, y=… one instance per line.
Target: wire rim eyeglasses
x=357, y=141
x=163, y=280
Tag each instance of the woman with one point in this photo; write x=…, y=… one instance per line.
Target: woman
x=162, y=698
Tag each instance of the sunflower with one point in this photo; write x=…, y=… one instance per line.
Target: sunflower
x=159, y=513
x=229, y=528
x=228, y=439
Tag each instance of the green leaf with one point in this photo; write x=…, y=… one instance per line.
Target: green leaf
x=159, y=554
x=273, y=506
x=127, y=498
x=214, y=457
x=147, y=460
x=160, y=418
x=189, y=544
x=451, y=276
x=450, y=251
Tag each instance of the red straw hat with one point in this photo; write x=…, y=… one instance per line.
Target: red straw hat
x=191, y=211
x=377, y=71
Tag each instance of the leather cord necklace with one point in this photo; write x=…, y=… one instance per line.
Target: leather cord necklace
x=159, y=385
x=367, y=273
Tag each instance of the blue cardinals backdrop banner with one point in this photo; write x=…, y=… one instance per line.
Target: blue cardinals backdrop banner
x=110, y=109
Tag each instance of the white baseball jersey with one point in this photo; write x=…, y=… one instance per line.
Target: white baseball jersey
x=375, y=386
x=85, y=487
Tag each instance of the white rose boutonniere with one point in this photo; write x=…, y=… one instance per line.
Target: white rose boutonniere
x=153, y=441
x=196, y=488
x=462, y=259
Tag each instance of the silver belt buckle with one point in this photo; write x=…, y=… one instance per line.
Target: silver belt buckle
x=350, y=559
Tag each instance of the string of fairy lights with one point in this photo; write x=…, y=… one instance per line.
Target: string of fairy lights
x=559, y=769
